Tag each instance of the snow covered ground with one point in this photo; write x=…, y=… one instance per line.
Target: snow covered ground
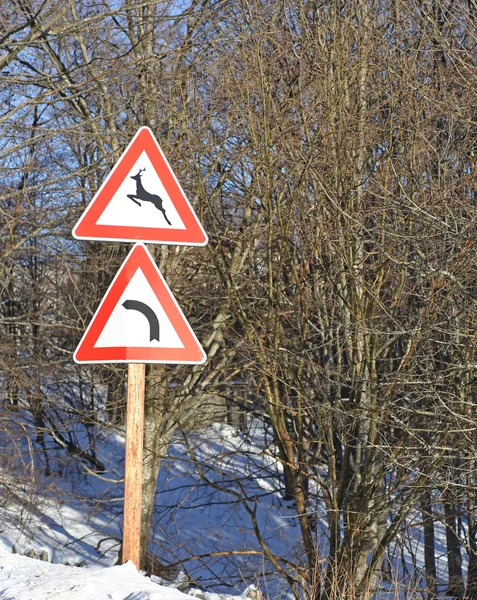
x=23, y=578
x=74, y=520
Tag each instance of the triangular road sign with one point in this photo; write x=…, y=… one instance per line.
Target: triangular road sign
x=141, y=201
x=139, y=320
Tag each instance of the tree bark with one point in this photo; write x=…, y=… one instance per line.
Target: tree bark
x=454, y=558
x=158, y=431
x=429, y=544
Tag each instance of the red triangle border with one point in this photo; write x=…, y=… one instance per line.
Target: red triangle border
x=192, y=352
x=87, y=227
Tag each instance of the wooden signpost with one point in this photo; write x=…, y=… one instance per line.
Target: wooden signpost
x=139, y=321
x=133, y=473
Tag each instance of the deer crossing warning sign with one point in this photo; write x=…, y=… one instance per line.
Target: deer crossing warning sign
x=141, y=200
x=139, y=320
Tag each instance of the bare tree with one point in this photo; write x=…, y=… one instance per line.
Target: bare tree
x=330, y=153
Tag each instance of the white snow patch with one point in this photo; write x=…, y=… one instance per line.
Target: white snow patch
x=23, y=578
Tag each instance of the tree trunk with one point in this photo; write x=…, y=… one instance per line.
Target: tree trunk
x=471, y=588
x=158, y=430
x=429, y=545
x=454, y=559
x=115, y=403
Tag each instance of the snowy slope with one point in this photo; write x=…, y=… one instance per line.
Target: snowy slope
x=76, y=519
x=23, y=578
x=207, y=492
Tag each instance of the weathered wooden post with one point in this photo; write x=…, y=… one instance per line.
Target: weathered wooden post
x=133, y=472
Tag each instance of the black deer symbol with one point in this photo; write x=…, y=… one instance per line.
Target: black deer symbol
x=141, y=194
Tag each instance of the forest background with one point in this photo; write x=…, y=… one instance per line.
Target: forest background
x=329, y=149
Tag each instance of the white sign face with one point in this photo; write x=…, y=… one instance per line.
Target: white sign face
x=137, y=325
x=129, y=205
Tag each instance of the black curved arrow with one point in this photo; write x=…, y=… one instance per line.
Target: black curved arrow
x=148, y=313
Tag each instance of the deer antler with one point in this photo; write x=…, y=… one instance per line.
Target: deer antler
x=141, y=170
